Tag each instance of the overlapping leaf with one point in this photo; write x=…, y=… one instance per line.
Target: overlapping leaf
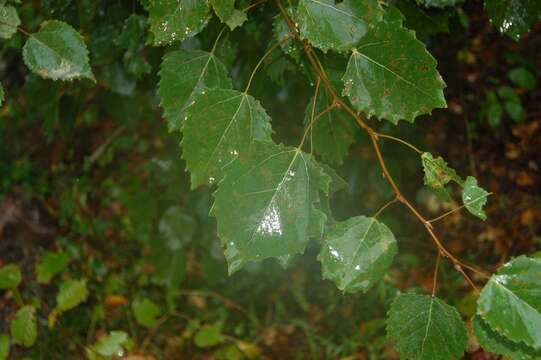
x=183, y=74
x=337, y=26
x=391, y=75
x=176, y=20
x=426, y=328
x=513, y=17
x=474, y=198
x=220, y=125
x=274, y=189
x=356, y=253
x=9, y=21
x=57, y=52
x=510, y=302
x=494, y=342
x=332, y=133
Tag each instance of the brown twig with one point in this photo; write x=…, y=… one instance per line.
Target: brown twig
x=374, y=137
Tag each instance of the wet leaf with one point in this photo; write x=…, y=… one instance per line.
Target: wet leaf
x=146, y=312
x=438, y=174
x=474, y=198
x=391, y=75
x=513, y=17
x=183, y=74
x=220, y=126
x=337, y=26
x=510, y=303
x=9, y=21
x=225, y=9
x=424, y=327
x=274, y=189
x=10, y=276
x=495, y=343
x=50, y=265
x=174, y=20
x=24, y=328
x=57, y=52
x=356, y=253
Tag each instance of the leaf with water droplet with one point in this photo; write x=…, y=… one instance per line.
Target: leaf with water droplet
x=438, y=174
x=183, y=74
x=510, y=302
x=513, y=17
x=356, y=253
x=424, y=327
x=332, y=133
x=110, y=345
x=474, y=198
x=220, y=126
x=391, y=75
x=9, y=21
x=493, y=342
x=337, y=26
x=174, y=20
x=57, y=52
x=265, y=205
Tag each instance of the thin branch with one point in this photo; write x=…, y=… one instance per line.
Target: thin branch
x=389, y=203
x=260, y=62
x=411, y=146
x=435, y=280
x=101, y=149
x=318, y=68
x=456, y=209
x=251, y=6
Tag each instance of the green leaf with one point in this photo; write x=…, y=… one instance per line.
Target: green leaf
x=24, y=329
x=438, y=174
x=513, y=17
x=337, y=26
x=438, y=3
x=50, y=265
x=220, y=126
x=424, y=22
x=183, y=74
x=176, y=20
x=110, y=345
x=4, y=346
x=225, y=9
x=9, y=21
x=71, y=294
x=10, y=276
x=57, y=52
x=391, y=75
x=274, y=189
x=426, y=328
x=512, y=103
x=332, y=133
x=493, y=342
x=523, y=78
x=146, y=312
x=492, y=109
x=510, y=302
x=474, y=198
x=2, y=94
x=208, y=335
x=356, y=253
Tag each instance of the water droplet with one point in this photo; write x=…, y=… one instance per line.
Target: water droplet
x=271, y=223
x=211, y=180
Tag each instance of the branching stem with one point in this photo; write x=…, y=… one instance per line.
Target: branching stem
x=374, y=137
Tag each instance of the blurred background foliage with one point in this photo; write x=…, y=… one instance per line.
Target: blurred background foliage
x=92, y=190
